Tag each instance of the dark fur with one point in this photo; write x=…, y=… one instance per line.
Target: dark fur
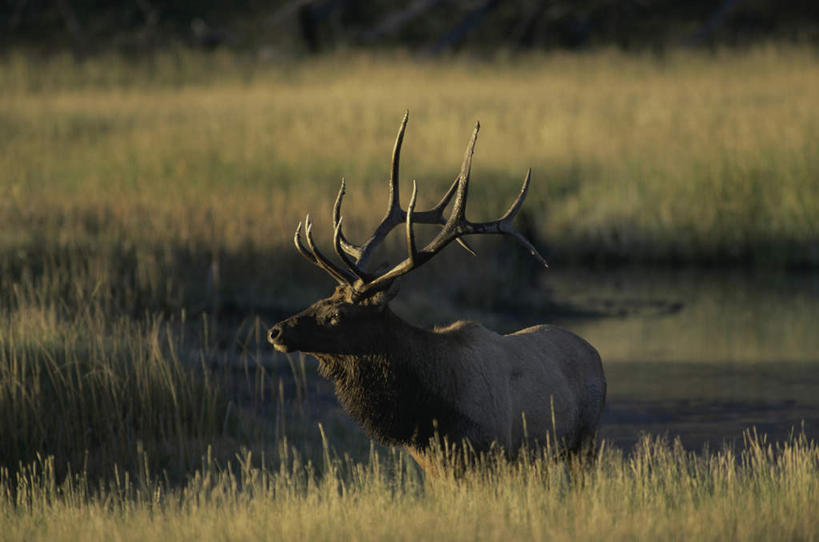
x=378, y=379
x=391, y=401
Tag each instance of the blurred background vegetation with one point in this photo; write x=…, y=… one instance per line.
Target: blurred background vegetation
x=424, y=26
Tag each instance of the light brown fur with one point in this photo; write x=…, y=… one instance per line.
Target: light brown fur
x=544, y=374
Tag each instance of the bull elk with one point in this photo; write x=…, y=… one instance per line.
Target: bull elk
x=403, y=383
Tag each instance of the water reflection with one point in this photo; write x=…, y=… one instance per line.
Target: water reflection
x=710, y=403
x=703, y=355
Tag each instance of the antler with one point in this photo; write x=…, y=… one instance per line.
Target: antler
x=454, y=228
x=342, y=276
x=394, y=216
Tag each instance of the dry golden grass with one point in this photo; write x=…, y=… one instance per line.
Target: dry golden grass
x=657, y=492
x=685, y=158
x=130, y=190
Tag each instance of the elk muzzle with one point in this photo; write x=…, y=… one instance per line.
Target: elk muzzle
x=276, y=337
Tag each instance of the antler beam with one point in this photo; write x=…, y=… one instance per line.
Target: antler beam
x=454, y=227
x=395, y=215
x=457, y=225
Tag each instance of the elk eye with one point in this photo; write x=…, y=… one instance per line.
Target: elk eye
x=335, y=318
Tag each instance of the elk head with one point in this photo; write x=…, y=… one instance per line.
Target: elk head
x=358, y=307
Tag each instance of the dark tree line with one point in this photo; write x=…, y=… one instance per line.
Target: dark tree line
x=428, y=26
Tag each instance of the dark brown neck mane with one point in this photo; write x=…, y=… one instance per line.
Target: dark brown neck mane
x=398, y=392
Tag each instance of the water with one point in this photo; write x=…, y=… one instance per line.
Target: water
x=710, y=403
x=702, y=355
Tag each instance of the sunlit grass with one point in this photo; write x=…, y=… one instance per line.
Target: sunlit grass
x=658, y=491
x=678, y=159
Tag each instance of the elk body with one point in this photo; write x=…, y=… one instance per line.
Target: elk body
x=404, y=384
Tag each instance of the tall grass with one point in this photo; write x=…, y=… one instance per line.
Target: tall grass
x=658, y=491
x=95, y=391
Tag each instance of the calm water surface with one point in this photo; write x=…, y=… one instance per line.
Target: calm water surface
x=702, y=355
x=710, y=403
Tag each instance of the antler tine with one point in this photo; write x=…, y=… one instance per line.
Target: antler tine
x=351, y=265
x=396, y=158
x=459, y=207
x=436, y=214
x=300, y=247
x=341, y=276
x=348, y=247
x=516, y=205
x=410, y=234
x=394, y=215
x=457, y=218
x=504, y=224
x=433, y=216
x=457, y=225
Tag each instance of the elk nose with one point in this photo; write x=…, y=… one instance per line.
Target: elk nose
x=274, y=334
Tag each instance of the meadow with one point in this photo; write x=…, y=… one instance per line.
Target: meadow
x=147, y=208
x=659, y=491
